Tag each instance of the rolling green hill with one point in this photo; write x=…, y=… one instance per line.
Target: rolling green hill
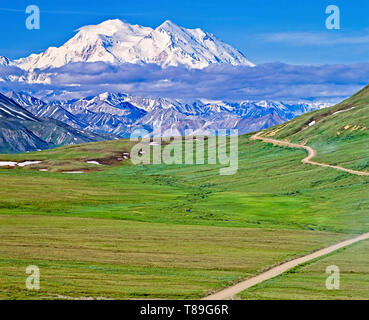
x=340, y=134
x=180, y=231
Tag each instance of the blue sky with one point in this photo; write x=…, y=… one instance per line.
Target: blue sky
x=288, y=31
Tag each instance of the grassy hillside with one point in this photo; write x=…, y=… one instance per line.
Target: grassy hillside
x=339, y=134
x=76, y=157
x=179, y=231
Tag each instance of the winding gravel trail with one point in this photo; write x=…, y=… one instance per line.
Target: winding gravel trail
x=311, y=154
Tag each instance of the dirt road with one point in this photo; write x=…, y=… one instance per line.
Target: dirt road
x=311, y=154
x=230, y=292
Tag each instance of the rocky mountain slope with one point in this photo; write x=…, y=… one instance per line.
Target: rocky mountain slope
x=21, y=131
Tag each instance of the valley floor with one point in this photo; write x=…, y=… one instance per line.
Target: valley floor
x=159, y=231
x=81, y=257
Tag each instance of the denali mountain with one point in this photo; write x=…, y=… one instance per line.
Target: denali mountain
x=120, y=114
x=115, y=41
x=21, y=131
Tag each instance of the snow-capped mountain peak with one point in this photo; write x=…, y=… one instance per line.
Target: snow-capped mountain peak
x=115, y=41
x=108, y=27
x=169, y=26
x=172, y=45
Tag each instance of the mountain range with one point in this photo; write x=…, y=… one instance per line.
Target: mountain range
x=120, y=114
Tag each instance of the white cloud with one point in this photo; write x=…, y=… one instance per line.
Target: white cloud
x=218, y=82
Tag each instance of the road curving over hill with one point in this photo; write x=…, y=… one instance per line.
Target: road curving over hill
x=311, y=154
